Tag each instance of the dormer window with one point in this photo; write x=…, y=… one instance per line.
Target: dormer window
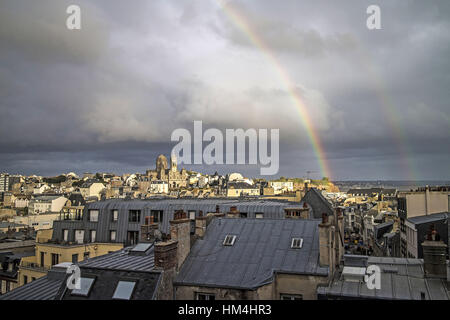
x=296, y=243
x=229, y=240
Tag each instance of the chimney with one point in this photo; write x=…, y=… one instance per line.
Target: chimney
x=148, y=231
x=166, y=255
x=339, y=234
x=434, y=259
x=200, y=226
x=180, y=231
x=233, y=213
x=326, y=251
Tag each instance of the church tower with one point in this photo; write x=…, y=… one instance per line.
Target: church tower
x=173, y=163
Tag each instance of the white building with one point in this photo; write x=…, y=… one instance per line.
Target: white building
x=281, y=186
x=91, y=189
x=4, y=182
x=159, y=186
x=46, y=204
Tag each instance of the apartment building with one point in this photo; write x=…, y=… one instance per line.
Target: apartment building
x=421, y=202
x=4, y=182
x=49, y=253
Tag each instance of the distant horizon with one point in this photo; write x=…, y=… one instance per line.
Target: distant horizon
x=223, y=174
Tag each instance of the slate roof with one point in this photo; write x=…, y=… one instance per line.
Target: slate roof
x=429, y=218
x=262, y=247
x=383, y=228
x=401, y=279
x=318, y=203
x=108, y=270
x=123, y=265
x=122, y=260
x=44, y=288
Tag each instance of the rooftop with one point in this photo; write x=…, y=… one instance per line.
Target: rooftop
x=401, y=279
x=429, y=218
x=261, y=248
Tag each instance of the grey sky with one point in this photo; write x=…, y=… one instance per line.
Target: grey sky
x=107, y=98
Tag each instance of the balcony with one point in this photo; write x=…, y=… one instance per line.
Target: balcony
x=34, y=266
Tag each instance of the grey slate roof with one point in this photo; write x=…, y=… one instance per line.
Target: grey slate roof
x=40, y=289
x=401, y=279
x=429, y=218
x=319, y=204
x=262, y=247
x=271, y=209
x=383, y=228
x=122, y=260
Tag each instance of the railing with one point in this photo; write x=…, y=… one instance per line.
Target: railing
x=33, y=266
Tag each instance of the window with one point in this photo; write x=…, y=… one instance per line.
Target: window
x=297, y=243
x=86, y=255
x=42, y=258
x=205, y=296
x=93, y=215
x=157, y=215
x=75, y=258
x=192, y=215
x=93, y=234
x=141, y=247
x=85, y=288
x=114, y=215
x=259, y=215
x=132, y=237
x=33, y=278
x=134, y=216
x=112, y=235
x=291, y=297
x=79, y=236
x=229, y=240
x=66, y=234
x=55, y=259
x=124, y=290
x=243, y=214
x=25, y=279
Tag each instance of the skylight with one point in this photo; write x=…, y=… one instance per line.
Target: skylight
x=86, y=285
x=229, y=240
x=297, y=243
x=141, y=247
x=124, y=290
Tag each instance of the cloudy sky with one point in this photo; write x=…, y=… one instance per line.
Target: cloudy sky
x=107, y=97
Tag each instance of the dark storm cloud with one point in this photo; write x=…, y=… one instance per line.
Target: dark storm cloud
x=107, y=97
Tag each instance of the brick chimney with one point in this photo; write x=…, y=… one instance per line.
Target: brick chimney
x=166, y=259
x=180, y=231
x=166, y=255
x=326, y=243
x=434, y=259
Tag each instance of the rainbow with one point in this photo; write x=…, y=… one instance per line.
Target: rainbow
x=391, y=115
x=313, y=136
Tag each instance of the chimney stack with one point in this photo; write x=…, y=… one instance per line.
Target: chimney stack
x=326, y=243
x=180, y=231
x=434, y=259
x=166, y=255
x=148, y=232
x=233, y=213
